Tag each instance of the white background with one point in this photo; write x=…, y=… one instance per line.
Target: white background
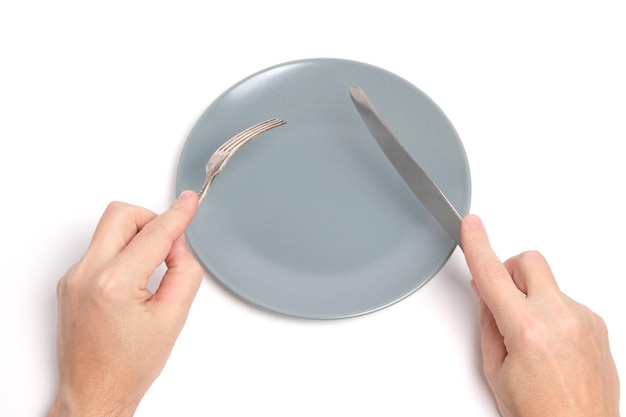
x=96, y=101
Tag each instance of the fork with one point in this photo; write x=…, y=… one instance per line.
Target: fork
x=222, y=155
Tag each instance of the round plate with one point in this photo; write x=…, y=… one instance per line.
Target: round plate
x=310, y=219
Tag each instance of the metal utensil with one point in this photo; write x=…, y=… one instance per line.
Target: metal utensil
x=415, y=177
x=223, y=154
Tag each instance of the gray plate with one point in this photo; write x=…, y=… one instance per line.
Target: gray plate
x=309, y=219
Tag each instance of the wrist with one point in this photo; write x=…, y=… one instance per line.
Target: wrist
x=65, y=406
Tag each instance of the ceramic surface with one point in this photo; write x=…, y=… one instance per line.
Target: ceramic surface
x=309, y=219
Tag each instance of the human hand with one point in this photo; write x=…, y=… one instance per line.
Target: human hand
x=114, y=336
x=543, y=353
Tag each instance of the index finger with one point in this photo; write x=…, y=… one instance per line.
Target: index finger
x=118, y=225
x=151, y=246
x=493, y=281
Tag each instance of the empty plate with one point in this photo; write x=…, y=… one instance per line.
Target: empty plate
x=309, y=219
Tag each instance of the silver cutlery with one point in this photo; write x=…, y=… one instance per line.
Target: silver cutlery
x=411, y=172
x=222, y=155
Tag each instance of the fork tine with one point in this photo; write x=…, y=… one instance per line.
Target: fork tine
x=220, y=157
x=249, y=134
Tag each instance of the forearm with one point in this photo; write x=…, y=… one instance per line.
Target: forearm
x=99, y=406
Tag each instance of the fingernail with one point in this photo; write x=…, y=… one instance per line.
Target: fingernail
x=472, y=221
x=186, y=195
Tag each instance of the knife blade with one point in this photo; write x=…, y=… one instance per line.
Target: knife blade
x=411, y=172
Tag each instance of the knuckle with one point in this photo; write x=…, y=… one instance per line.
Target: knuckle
x=533, y=335
x=601, y=328
x=571, y=324
x=116, y=207
x=120, y=210
x=108, y=285
x=577, y=320
x=70, y=282
x=531, y=256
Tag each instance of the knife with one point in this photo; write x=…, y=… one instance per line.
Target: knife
x=411, y=172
